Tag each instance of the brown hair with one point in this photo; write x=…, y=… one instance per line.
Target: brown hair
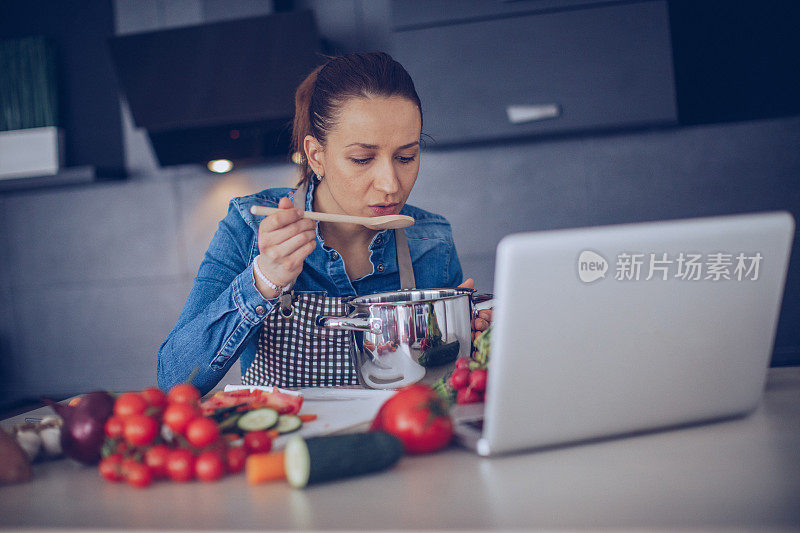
x=327, y=87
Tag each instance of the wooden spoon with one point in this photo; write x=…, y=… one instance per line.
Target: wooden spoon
x=382, y=222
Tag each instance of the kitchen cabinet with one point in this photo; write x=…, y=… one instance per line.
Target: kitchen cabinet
x=565, y=67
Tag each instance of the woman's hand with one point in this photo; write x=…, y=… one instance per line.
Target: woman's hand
x=285, y=239
x=484, y=316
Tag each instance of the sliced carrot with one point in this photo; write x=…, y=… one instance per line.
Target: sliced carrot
x=307, y=418
x=261, y=467
x=273, y=433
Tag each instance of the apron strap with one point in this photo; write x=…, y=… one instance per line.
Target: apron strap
x=404, y=264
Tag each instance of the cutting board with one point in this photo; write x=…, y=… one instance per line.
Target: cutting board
x=337, y=410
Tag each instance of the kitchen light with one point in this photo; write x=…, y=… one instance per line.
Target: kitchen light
x=220, y=166
x=297, y=158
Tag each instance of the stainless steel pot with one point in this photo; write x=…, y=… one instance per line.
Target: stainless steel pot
x=406, y=331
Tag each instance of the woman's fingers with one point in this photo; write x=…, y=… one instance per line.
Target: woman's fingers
x=277, y=252
x=479, y=324
x=278, y=236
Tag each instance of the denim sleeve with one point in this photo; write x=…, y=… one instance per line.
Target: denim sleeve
x=219, y=321
x=454, y=274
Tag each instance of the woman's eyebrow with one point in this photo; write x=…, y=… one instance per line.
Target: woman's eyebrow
x=375, y=146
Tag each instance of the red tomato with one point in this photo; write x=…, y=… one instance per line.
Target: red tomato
x=129, y=403
x=178, y=415
x=462, y=362
x=257, y=442
x=477, y=379
x=154, y=397
x=138, y=475
x=468, y=395
x=459, y=378
x=202, y=432
x=110, y=467
x=209, y=466
x=156, y=459
x=114, y=427
x=140, y=430
x=184, y=393
x=418, y=417
x=235, y=458
x=180, y=465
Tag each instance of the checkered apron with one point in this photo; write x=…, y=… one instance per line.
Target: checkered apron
x=293, y=351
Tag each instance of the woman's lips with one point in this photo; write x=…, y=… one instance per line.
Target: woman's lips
x=383, y=209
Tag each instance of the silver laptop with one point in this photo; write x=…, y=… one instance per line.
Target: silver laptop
x=611, y=330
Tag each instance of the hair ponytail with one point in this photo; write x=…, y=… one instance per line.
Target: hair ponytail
x=318, y=98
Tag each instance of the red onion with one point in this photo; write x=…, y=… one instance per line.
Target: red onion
x=83, y=432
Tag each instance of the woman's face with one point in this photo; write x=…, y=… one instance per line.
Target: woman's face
x=371, y=157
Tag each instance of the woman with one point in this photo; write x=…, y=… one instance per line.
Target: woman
x=358, y=122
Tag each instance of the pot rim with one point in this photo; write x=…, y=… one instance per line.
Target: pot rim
x=457, y=292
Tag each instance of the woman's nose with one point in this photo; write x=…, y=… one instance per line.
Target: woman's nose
x=386, y=179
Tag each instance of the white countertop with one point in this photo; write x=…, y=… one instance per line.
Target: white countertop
x=741, y=473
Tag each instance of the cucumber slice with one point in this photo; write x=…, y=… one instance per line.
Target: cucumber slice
x=297, y=462
x=258, y=419
x=288, y=423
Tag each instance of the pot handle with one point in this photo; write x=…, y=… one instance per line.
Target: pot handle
x=346, y=323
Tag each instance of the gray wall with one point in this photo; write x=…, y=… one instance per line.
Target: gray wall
x=93, y=277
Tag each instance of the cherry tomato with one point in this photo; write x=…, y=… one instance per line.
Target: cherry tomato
x=180, y=465
x=126, y=465
x=140, y=430
x=110, y=467
x=156, y=459
x=468, y=395
x=235, y=458
x=202, y=432
x=184, y=393
x=129, y=403
x=209, y=466
x=257, y=442
x=459, y=378
x=154, y=397
x=477, y=379
x=178, y=415
x=114, y=427
x=138, y=475
x=462, y=362
x=418, y=417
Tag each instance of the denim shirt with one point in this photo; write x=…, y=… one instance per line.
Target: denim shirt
x=224, y=312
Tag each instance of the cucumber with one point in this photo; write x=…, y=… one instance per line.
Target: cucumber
x=229, y=424
x=288, y=423
x=320, y=459
x=258, y=419
x=439, y=355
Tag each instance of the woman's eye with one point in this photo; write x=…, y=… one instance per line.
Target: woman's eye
x=405, y=160
x=360, y=161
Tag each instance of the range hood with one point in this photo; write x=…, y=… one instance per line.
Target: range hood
x=218, y=91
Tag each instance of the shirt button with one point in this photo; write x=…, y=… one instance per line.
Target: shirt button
x=260, y=310
x=378, y=239
x=380, y=267
x=334, y=256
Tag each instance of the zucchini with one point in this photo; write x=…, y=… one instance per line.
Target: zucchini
x=258, y=419
x=288, y=423
x=439, y=355
x=320, y=459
